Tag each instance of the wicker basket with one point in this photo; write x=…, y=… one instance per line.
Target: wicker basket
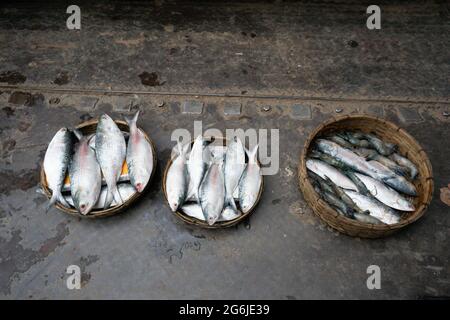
x=204, y=224
x=387, y=131
x=87, y=128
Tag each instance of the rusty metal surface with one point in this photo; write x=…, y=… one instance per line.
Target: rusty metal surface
x=284, y=251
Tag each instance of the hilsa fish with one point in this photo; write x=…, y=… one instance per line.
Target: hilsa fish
x=234, y=167
x=197, y=166
x=110, y=149
x=324, y=170
x=139, y=156
x=85, y=176
x=212, y=192
x=56, y=162
x=177, y=180
x=194, y=210
x=250, y=182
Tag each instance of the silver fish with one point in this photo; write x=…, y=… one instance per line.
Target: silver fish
x=336, y=202
x=382, y=147
x=85, y=176
x=344, y=155
x=386, y=195
x=177, y=180
x=56, y=162
x=405, y=162
x=250, y=182
x=234, y=167
x=381, y=172
x=400, y=183
x=371, y=154
x=212, y=193
x=355, y=140
x=229, y=214
x=126, y=190
x=366, y=218
x=139, y=156
x=376, y=208
x=197, y=166
x=195, y=210
x=340, y=141
x=110, y=149
x=324, y=170
x=91, y=139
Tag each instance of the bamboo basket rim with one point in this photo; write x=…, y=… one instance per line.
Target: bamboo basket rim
x=376, y=230
x=101, y=213
x=219, y=224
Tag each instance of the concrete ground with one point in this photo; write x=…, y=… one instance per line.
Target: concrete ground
x=289, y=66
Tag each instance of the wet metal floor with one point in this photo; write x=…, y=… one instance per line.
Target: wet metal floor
x=286, y=66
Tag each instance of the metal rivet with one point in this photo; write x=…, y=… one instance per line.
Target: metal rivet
x=266, y=108
x=160, y=104
x=339, y=110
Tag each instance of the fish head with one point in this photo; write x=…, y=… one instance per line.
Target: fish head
x=248, y=203
x=84, y=201
x=212, y=219
x=85, y=207
x=140, y=179
x=174, y=205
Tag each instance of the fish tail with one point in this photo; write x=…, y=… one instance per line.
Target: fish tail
x=77, y=134
x=108, y=199
x=229, y=201
x=61, y=199
x=133, y=120
x=180, y=148
x=117, y=196
x=51, y=202
x=56, y=196
x=252, y=155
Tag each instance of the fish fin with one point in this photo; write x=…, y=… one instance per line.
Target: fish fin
x=77, y=134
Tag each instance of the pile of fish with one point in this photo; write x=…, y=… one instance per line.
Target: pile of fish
x=362, y=177
x=100, y=170
x=213, y=183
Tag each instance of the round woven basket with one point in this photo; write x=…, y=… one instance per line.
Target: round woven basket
x=204, y=224
x=387, y=131
x=87, y=128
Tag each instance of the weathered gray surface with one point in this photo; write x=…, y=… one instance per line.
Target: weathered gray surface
x=284, y=251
